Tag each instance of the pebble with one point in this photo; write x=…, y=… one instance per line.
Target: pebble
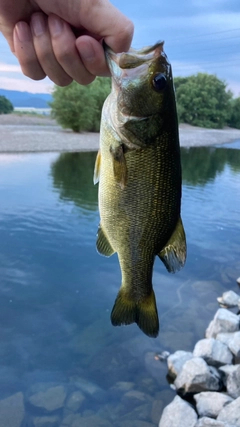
x=75, y=401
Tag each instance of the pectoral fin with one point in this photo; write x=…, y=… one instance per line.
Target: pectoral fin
x=103, y=245
x=96, y=174
x=173, y=255
x=119, y=165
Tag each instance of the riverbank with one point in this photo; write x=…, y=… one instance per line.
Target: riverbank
x=24, y=133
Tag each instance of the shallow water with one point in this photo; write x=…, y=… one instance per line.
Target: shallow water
x=56, y=292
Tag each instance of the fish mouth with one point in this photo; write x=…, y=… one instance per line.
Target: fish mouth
x=133, y=63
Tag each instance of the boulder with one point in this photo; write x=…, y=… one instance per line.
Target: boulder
x=223, y=321
x=178, y=414
x=229, y=299
x=210, y=403
x=225, y=371
x=214, y=352
x=225, y=337
x=233, y=383
x=176, y=361
x=12, y=411
x=197, y=376
x=234, y=344
x=230, y=414
x=209, y=422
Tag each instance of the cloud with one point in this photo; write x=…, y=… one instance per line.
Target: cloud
x=25, y=84
x=9, y=68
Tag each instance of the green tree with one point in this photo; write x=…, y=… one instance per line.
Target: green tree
x=79, y=107
x=202, y=100
x=234, y=116
x=6, y=106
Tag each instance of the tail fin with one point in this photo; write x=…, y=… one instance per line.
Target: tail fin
x=126, y=311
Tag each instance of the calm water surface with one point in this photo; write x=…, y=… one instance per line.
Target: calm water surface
x=56, y=292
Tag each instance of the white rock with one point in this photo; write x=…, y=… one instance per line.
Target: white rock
x=50, y=399
x=231, y=413
x=223, y=321
x=210, y=403
x=210, y=422
x=12, y=411
x=234, y=344
x=178, y=414
x=226, y=370
x=197, y=376
x=176, y=361
x=238, y=280
x=233, y=383
x=213, y=351
x=229, y=299
x=225, y=337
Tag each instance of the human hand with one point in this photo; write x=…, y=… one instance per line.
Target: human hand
x=61, y=39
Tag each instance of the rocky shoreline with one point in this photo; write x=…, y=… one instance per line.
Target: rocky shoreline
x=208, y=377
x=42, y=134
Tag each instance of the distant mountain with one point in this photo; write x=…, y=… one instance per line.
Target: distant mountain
x=27, y=99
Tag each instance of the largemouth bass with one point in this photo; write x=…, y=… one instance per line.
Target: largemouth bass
x=139, y=172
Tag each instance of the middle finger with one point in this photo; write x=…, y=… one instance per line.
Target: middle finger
x=44, y=51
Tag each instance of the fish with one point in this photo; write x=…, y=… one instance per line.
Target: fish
x=138, y=168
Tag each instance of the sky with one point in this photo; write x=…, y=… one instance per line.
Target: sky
x=199, y=35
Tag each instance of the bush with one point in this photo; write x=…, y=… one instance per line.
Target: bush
x=79, y=107
x=234, y=116
x=6, y=106
x=202, y=100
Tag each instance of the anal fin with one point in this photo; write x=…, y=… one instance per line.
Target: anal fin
x=173, y=255
x=103, y=245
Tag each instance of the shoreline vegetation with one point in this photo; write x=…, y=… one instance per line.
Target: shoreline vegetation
x=34, y=133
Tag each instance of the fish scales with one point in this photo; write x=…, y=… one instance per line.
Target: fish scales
x=139, y=203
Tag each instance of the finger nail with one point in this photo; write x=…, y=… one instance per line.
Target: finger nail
x=87, y=53
x=38, y=25
x=23, y=32
x=55, y=25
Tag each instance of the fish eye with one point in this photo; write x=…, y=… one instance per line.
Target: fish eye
x=159, y=82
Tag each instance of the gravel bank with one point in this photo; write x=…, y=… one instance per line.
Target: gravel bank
x=29, y=134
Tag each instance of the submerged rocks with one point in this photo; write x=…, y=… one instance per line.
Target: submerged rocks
x=178, y=414
x=12, y=411
x=48, y=398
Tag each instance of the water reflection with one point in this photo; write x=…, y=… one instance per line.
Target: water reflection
x=56, y=292
x=73, y=176
x=200, y=165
